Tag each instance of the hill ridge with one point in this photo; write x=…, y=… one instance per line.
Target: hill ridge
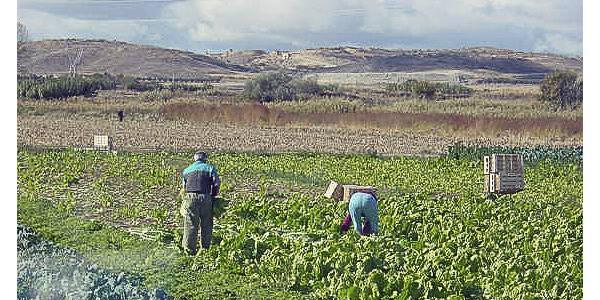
x=119, y=57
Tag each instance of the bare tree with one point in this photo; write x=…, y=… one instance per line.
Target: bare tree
x=73, y=59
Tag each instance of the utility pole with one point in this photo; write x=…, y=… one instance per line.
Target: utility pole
x=73, y=61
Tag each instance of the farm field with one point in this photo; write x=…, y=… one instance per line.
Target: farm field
x=278, y=237
x=388, y=127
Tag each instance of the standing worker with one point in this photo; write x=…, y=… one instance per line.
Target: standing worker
x=201, y=183
x=362, y=205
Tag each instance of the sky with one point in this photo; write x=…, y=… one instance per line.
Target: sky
x=553, y=26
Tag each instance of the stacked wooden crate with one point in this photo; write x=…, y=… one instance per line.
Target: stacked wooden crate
x=503, y=173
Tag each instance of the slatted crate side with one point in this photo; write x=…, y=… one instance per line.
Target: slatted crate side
x=486, y=165
x=506, y=163
x=334, y=191
x=487, y=187
x=508, y=183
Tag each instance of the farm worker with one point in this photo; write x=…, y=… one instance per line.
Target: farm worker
x=201, y=183
x=362, y=205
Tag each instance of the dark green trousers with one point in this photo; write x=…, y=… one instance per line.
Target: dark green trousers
x=196, y=210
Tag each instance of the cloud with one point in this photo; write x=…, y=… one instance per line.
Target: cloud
x=308, y=22
x=558, y=43
x=44, y=25
x=550, y=25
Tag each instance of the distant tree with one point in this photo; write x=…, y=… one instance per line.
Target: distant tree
x=274, y=86
x=562, y=89
x=269, y=87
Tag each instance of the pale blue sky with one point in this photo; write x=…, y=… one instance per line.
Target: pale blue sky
x=198, y=25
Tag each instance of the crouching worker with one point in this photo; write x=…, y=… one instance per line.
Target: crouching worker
x=201, y=183
x=362, y=205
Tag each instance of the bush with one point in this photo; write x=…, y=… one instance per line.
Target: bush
x=427, y=90
x=158, y=95
x=60, y=87
x=133, y=84
x=180, y=86
x=280, y=86
x=562, y=89
x=422, y=89
x=305, y=87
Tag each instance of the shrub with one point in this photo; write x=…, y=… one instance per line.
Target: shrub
x=422, y=89
x=305, y=87
x=428, y=90
x=180, y=86
x=158, y=95
x=131, y=83
x=280, y=86
x=562, y=89
x=60, y=87
x=103, y=81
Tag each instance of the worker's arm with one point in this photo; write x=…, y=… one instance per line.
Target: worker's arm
x=216, y=183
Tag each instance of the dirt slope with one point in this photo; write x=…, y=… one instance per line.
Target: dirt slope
x=50, y=57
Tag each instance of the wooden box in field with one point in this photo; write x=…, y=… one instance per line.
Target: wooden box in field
x=504, y=183
x=503, y=173
x=350, y=189
x=503, y=163
x=102, y=142
x=334, y=190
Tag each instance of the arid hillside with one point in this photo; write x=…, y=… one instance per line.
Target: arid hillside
x=99, y=56
x=358, y=60
x=51, y=57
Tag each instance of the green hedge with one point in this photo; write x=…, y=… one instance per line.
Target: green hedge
x=62, y=87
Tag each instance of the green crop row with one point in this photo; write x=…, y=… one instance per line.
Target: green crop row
x=530, y=155
x=440, y=237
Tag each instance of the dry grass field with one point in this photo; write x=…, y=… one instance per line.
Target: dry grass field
x=388, y=126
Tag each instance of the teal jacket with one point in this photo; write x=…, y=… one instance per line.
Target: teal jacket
x=202, y=173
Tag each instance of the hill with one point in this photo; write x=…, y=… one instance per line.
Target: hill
x=357, y=60
x=50, y=56
x=99, y=56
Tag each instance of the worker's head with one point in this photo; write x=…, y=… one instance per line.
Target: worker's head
x=200, y=156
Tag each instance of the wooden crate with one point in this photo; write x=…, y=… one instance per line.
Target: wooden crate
x=350, y=189
x=334, y=191
x=503, y=173
x=503, y=163
x=504, y=183
x=103, y=143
